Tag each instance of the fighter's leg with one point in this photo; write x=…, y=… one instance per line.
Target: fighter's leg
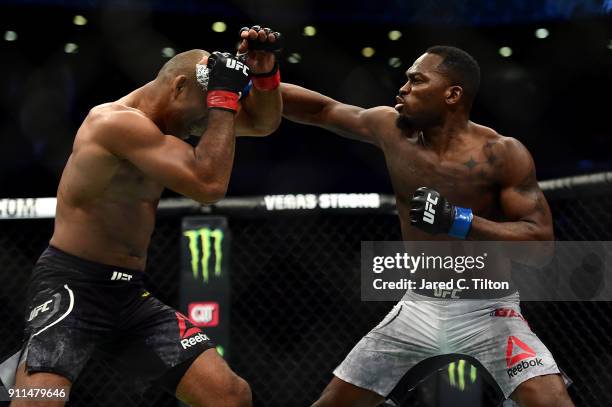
x=339, y=393
x=374, y=367
x=209, y=382
x=41, y=380
x=502, y=341
x=165, y=347
x=542, y=391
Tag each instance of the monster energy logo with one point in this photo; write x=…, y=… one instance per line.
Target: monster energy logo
x=201, y=238
x=458, y=379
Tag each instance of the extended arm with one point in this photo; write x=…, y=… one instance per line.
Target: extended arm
x=308, y=107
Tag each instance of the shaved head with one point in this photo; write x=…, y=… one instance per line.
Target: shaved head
x=182, y=64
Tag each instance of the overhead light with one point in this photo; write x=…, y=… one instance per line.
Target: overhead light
x=71, y=48
x=10, y=36
x=79, y=20
x=505, y=52
x=309, y=31
x=368, y=52
x=168, y=52
x=395, y=35
x=219, y=27
x=542, y=33
x=395, y=62
x=294, y=58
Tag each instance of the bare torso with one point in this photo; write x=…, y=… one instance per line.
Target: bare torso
x=105, y=205
x=467, y=176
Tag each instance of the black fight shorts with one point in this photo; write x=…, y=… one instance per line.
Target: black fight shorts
x=77, y=308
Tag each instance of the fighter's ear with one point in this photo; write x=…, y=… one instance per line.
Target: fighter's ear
x=179, y=85
x=454, y=94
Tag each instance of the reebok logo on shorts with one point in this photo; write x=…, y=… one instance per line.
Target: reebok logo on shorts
x=516, y=361
x=187, y=334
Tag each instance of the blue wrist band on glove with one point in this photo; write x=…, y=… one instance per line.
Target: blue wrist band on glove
x=462, y=223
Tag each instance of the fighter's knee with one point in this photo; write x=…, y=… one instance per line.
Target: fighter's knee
x=543, y=393
x=239, y=394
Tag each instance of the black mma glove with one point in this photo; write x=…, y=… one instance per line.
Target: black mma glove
x=228, y=77
x=432, y=213
x=268, y=80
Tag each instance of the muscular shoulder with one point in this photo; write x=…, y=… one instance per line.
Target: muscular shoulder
x=507, y=155
x=116, y=127
x=380, y=121
x=380, y=116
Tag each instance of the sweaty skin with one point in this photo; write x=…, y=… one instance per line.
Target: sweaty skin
x=126, y=152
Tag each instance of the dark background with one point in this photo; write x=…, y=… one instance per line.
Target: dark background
x=553, y=94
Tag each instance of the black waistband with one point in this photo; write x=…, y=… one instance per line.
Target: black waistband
x=54, y=257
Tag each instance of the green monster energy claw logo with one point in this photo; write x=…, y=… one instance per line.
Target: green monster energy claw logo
x=202, y=238
x=458, y=380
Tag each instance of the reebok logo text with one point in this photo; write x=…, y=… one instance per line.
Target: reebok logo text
x=189, y=342
x=524, y=365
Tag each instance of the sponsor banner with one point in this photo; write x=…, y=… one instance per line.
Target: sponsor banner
x=204, y=286
x=27, y=208
x=538, y=271
x=322, y=201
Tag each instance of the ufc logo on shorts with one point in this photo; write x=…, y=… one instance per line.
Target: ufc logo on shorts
x=121, y=276
x=233, y=64
x=39, y=309
x=428, y=215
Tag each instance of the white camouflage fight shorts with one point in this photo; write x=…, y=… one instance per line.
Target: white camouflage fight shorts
x=491, y=331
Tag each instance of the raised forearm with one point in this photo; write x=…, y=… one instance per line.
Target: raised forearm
x=264, y=111
x=214, y=154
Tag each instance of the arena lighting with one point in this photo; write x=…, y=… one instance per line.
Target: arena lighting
x=10, y=36
x=541, y=33
x=395, y=62
x=168, y=52
x=505, y=52
x=368, y=52
x=79, y=20
x=71, y=48
x=219, y=26
x=294, y=58
x=395, y=35
x=309, y=31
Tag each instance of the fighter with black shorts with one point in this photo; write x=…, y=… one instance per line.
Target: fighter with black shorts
x=86, y=295
x=453, y=179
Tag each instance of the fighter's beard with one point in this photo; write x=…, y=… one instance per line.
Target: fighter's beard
x=404, y=123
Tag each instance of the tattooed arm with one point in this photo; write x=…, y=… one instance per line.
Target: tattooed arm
x=522, y=202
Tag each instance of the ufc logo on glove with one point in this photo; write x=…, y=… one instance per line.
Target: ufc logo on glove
x=237, y=65
x=428, y=215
